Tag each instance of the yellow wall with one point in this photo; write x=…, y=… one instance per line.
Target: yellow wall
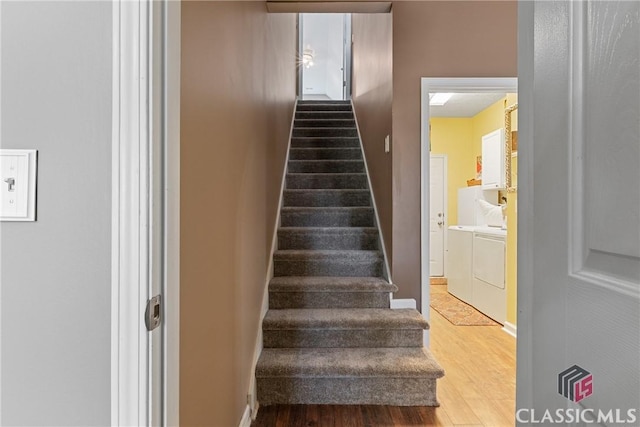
x=461, y=140
x=453, y=136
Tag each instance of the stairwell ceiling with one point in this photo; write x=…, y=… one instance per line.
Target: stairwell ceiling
x=311, y=6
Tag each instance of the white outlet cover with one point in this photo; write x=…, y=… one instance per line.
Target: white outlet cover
x=18, y=185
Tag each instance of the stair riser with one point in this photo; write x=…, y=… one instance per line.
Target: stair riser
x=322, y=241
x=348, y=391
x=343, y=115
x=309, y=181
x=327, y=267
x=282, y=300
x=325, y=154
x=324, y=107
x=324, y=123
x=326, y=166
x=368, y=337
x=319, y=198
x=320, y=142
x=355, y=218
x=326, y=132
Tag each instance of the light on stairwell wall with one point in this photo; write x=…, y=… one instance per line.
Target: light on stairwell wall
x=307, y=57
x=439, y=99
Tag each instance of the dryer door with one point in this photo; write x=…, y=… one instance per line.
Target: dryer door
x=488, y=260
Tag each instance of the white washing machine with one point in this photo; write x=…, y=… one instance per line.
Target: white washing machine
x=489, y=278
x=460, y=262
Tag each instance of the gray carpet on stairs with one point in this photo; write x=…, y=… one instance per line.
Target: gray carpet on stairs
x=329, y=336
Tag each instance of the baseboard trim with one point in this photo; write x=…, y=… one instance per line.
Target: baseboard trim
x=511, y=329
x=246, y=417
x=252, y=393
x=373, y=197
x=397, y=304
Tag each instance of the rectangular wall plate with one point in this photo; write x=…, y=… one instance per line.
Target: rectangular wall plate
x=18, y=185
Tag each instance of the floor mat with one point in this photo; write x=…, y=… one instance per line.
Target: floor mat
x=458, y=312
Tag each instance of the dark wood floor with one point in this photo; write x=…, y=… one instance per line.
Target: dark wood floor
x=343, y=416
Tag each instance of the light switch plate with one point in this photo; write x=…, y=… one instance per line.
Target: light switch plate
x=387, y=144
x=18, y=185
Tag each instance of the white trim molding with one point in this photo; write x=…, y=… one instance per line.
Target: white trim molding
x=373, y=196
x=511, y=329
x=246, y=417
x=130, y=215
x=397, y=304
x=171, y=288
x=427, y=85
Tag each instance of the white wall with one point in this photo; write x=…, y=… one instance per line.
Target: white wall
x=324, y=33
x=56, y=83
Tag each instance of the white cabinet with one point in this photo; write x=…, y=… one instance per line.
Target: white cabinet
x=493, y=161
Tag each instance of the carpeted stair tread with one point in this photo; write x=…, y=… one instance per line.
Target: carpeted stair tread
x=325, y=106
x=324, y=141
x=324, y=123
x=331, y=318
x=403, y=362
x=327, y=254
x=325, y=153
x=324, y=102
x=327, y=263
x=313, y=114
x=327, y=197
x=333, y=284
x=357, y=216
x=327, y=166
x=325, y=131
x=329, y=238
x=326, y=181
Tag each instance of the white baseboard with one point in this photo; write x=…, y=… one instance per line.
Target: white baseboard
x=403, y=303
x=246, y=417
x=511, y=329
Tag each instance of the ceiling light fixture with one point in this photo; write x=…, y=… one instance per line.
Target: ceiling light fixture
x=439, y=99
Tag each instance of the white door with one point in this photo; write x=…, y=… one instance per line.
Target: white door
x=437, y=224
x=579, y=210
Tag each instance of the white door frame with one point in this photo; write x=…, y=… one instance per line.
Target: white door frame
x=445, y=210
x=443, y=85
x=136, y=38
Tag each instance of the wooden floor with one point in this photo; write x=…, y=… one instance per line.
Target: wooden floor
x=478, y=388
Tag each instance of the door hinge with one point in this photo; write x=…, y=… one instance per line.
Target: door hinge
x=153, y=313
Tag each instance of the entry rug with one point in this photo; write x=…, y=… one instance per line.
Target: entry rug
x=458, y=312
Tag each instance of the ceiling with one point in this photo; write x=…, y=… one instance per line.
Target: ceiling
x=313, y=6
x=465, y=104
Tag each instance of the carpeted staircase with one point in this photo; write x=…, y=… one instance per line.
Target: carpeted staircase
x=329, y=335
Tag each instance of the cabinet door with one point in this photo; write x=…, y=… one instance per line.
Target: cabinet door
x=493, y=174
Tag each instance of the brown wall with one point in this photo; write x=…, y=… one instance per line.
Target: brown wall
x=238, y=91
x=372, y=97
x=436, y=39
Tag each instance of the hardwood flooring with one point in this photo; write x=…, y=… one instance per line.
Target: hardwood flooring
x=478, y=388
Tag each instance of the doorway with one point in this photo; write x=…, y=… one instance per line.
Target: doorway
x=324, y=56
x=487, y=86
